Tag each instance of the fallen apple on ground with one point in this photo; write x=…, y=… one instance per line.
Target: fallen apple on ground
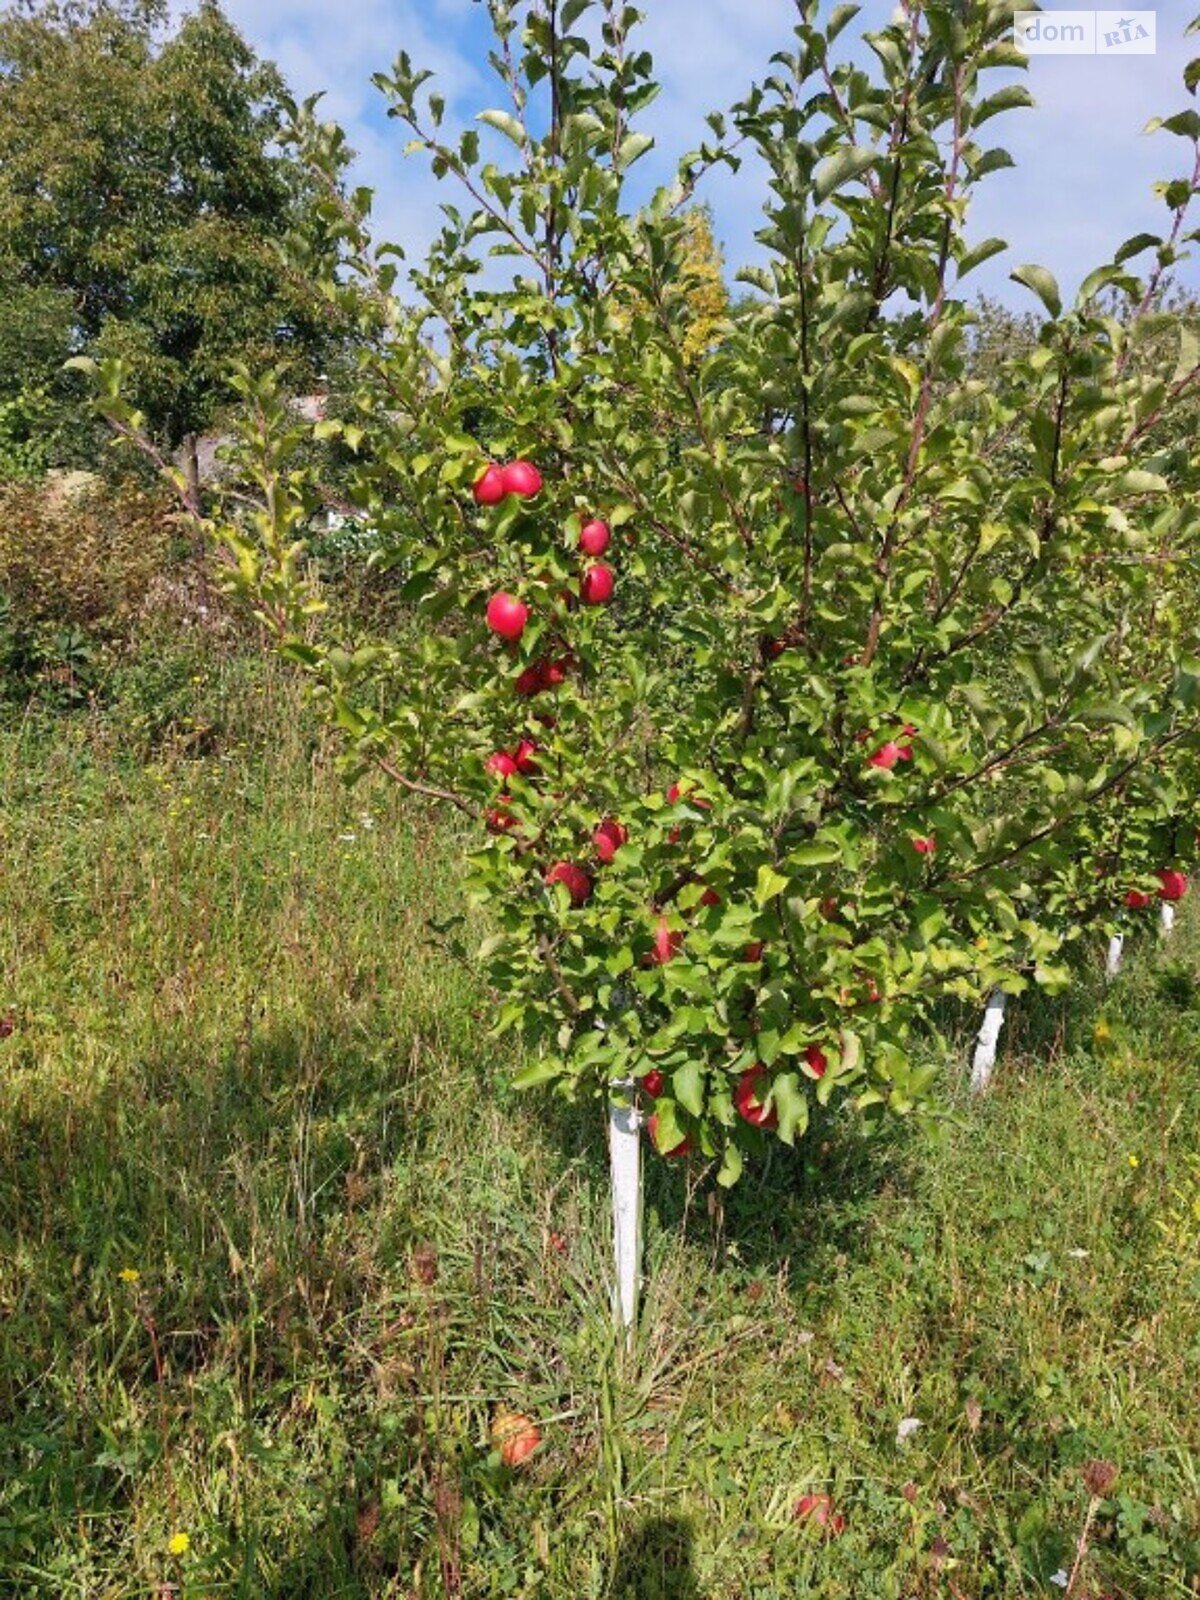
x=818, y=1509
x=515, y=1435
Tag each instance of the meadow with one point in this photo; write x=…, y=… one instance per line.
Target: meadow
x=277, y=1238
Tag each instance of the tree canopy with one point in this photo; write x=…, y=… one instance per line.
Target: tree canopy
x=141, y=192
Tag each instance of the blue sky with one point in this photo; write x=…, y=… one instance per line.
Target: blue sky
x=1084, y=167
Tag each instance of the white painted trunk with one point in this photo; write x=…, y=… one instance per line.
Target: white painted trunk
x=1113, y=963
x=986, y=1042
x=1168, y=918
x=625, y=1163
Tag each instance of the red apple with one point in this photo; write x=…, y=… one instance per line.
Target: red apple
x=925, y=847
x=515, y=1436
x=501, y=764
x=748, y=1099
x=521, y=478
x=594, y=537
x=675, y=794
x=556, y=671
x=596, y=585
x=666, y=943
x=754, y=952
x=816, y=1060
x=710, y=897
x=574, y=879
x=1137, y=899
x=681, y=1149
x=523, y=758
x=499, y=818
x=532, y=680
x=608, y=838
x=506, y=615
x=488, y=487
x=773, y=648
x=653, y=1083
x=1173, y=885
x=818, y=1509
x=887, y=756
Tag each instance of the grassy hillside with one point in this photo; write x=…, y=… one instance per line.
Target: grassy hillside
x=276, y=1239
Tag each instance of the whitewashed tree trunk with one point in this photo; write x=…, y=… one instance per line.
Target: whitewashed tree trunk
x=985, y=1045
x=1167, y=918
x=625, y=1164
x=1112, y=964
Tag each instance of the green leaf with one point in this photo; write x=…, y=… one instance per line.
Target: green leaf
x=1044, y=285
x=846, y=164
x=731, y=1166
x=688, y=1084
x=979, y=254
x=769, y=884
x=1011, y=98
x=504, y=123
x=631, y=147
x=537, y=1072
x=1135, y=244
x=791, y=1102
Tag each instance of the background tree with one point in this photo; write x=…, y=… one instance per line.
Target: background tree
x=141, y=195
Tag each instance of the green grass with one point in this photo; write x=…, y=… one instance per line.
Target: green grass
x=240, y=1069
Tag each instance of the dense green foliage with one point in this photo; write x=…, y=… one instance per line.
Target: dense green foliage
x=233, y=1064
x=142, y=193
x=899, y=692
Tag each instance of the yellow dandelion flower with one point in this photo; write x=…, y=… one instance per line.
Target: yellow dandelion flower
x=129, y=1275
x=178, y=1544
x=1134, y=1162
x=1102, y=1031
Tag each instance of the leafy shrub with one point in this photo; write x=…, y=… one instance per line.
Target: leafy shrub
x=78, y=552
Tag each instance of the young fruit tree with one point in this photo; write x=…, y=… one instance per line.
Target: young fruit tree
x=794, y=685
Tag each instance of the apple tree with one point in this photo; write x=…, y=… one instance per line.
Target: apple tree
x=791, y=687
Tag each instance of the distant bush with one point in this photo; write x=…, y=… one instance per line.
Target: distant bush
x=77, y=552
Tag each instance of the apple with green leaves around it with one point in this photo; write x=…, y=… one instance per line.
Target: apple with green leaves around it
x=488, y=487
x=573, y=879
x=1172, y=885
x=501, y=765
x=608, y=838
x=523, y=758
x=816, y=1060
x=683, y=1148
x=1138, y=899
x=507, y=616
x=653, y=1083
x=597, y=584
x=749, y=1096
x=521, y=478
x=594, y=537
x=665, y=944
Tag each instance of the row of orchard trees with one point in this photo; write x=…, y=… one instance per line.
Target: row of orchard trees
x=896, y=693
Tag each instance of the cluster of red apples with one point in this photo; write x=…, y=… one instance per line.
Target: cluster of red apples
x=507, y=617
x=1172, y=886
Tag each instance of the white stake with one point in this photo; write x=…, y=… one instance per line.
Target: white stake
x=985, y=1045
x=1113, y=964
x=625, y=1162
x=1167, y=918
